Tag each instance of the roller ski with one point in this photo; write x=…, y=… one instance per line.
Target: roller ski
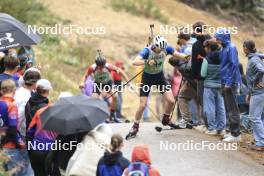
x=166, y=121
x=133, y=132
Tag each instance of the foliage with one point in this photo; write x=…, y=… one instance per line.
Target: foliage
x=146, y=8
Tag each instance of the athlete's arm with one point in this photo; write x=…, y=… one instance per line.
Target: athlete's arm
x=141, y=58
x=138, y=61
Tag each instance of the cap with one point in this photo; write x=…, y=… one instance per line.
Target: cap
x=44, y=84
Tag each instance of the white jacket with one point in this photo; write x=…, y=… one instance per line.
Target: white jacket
x=85, y=159
x=22, y=96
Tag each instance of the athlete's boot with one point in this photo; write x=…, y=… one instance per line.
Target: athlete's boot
x=133, y=132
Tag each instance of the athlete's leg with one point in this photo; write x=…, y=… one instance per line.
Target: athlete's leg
x=140, y=110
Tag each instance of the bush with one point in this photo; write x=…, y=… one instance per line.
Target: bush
x=146, y=8
x=28, y=11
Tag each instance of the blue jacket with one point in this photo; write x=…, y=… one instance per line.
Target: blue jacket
x=255, y=72
x=230, y=74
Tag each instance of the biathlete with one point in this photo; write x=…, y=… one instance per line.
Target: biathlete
x=152, y=58
x=101, y=72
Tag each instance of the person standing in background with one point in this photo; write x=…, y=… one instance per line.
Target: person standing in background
x=198, y=53
x=231, y=80
x=117, y=78
x=255, y=80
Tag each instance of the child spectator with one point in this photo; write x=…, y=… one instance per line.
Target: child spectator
x=113, y=163
x=11, y=65
x=214, y=107
x=38, y=100
x=39, y=137
x=141, y=163
x=12, y=142
x=255, y=81
x=23, y=94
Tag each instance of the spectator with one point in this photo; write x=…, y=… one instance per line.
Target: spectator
x=141, y=158
x=38, y=138
x=214, y=107
x=97, y=141
x=11, y=65
x=38, y=100
x=12, y=142
x=113, y=163
x=23, y=60
x=175, y=87
x=58, y=159
x=23, y=94
x=117, y=78
x=255, y=80
x=2, y=56
x=230, y=79
x=187, y=90
x=198, y=53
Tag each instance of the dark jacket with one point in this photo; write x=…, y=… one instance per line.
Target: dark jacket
x=115, y=161
x=211, y=70
x=230, y=73
x=35, y=102
x=255, y=72
x=198, y=53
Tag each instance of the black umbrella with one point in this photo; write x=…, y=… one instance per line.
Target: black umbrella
x=75, y=114
x=13, y=33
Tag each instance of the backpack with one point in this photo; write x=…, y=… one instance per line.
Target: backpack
x=138, y=169
x=114, y=170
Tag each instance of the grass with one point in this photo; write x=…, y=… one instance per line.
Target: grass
x=146, y=8
x=60, y=65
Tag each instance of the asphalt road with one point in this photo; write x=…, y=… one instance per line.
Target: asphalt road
x=190, y=153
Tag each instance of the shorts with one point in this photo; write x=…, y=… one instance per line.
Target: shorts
x=102, y=87
x=150, y=80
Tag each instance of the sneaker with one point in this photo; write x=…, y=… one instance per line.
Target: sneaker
x=211, y=132
x=221, y=132
x=117, y=120
x=232, y=139
x=201, y=128
x=227, y=135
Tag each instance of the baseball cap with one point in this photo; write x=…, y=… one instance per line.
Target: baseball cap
x=44, y=84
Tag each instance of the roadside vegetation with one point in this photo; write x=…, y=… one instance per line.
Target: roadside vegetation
x=146, y=8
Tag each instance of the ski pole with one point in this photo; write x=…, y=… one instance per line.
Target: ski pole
x=176, y=99
x=125, y=84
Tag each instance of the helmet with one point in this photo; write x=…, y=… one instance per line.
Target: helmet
x=100, y=60
x=160, y=42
